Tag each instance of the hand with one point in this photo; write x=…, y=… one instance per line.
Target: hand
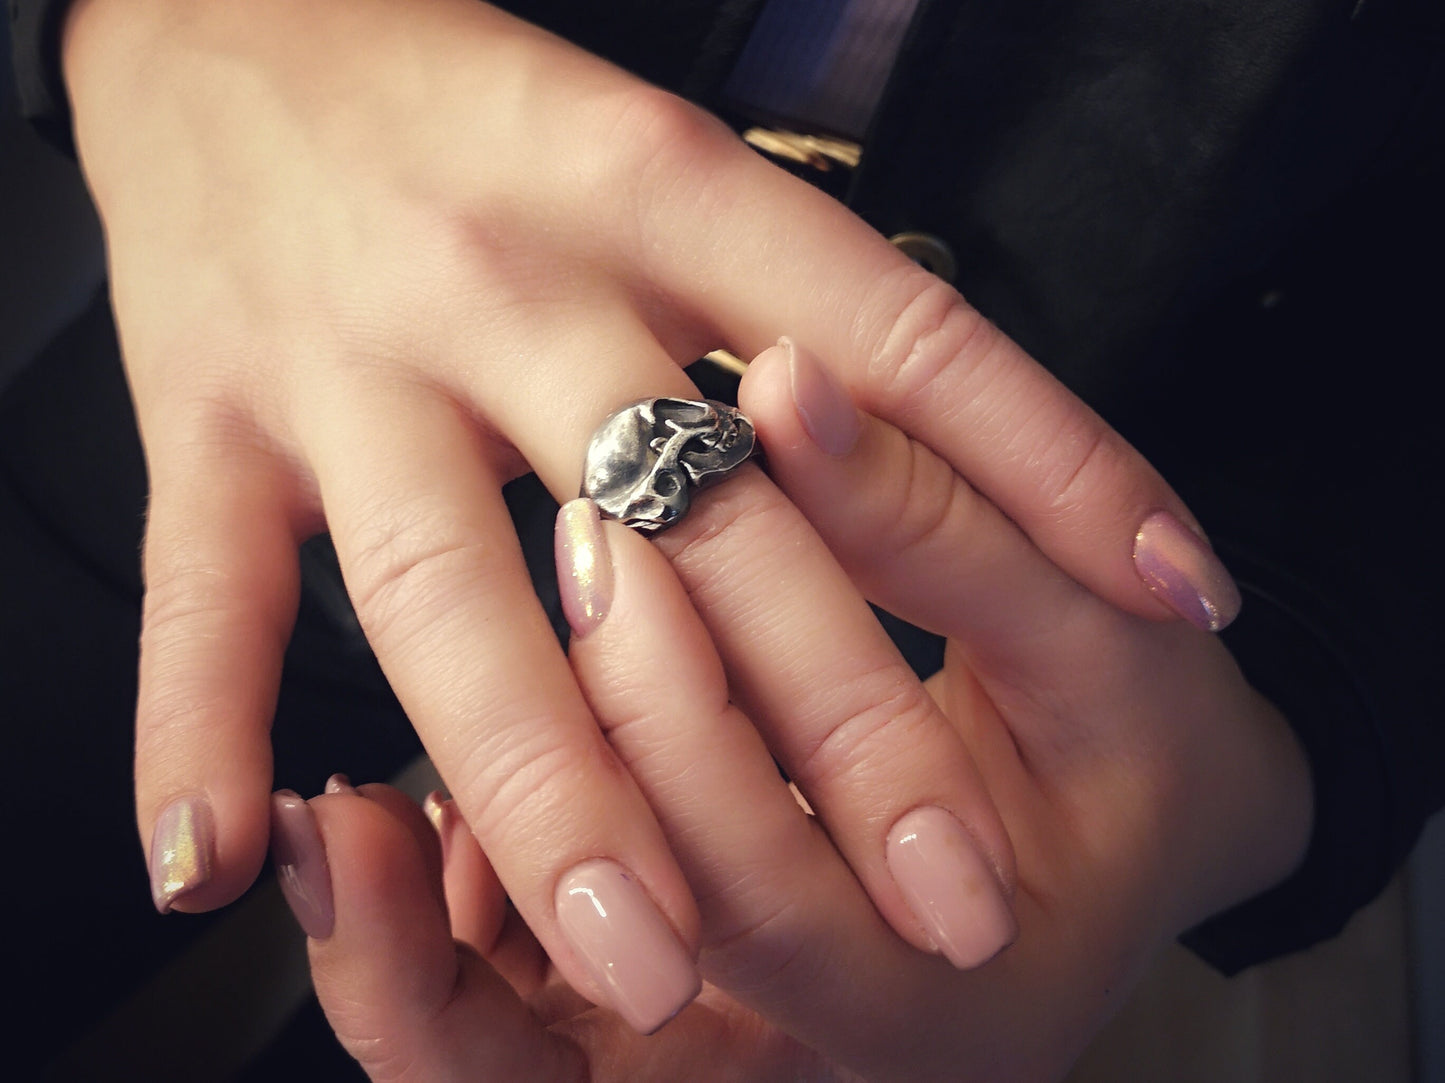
x=1144, y=786
x=371, y=260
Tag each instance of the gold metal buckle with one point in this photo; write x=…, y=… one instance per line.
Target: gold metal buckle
x=820, y=152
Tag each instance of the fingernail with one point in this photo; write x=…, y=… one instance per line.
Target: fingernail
x=631, y=949
x=950, y=887
x=339, y=783
x=444, y=817
x=433, y=807
x=1179, y=567
x=584, y=566
x=301, y=866
x=823, y=406
x=182, y=850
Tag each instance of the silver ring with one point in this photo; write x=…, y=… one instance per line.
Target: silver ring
x=645, y=461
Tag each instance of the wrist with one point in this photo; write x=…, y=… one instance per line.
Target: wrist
x=1248, y=813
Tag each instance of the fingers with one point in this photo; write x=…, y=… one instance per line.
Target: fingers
x=221, y=594
x=925, y=546
x=410, y=1004
x=787, y=928
x=839, y=710
x=467, y=876
x=838, y=706
x=441, y=590
x=481, y=916
x=711, y=238
x=912, y=533
x=790, y=260
x=400, y=995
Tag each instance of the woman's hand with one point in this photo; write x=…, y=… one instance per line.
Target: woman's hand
x=1143, y=783
x=369, y=261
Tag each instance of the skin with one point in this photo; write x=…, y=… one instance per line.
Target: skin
x=1143, y=783
x=371, y=260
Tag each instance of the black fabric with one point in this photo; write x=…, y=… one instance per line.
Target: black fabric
x=1322, y=494
x=35, y=27
x=1211, y=220
x=1105, y=165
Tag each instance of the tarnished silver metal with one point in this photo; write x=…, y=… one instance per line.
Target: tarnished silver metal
x=646, y=459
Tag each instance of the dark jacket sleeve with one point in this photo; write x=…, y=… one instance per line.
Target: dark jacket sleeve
x=35, y=27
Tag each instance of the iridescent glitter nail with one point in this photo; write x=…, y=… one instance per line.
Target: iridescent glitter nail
x=1179, y=567
x=182, y=850
x=584, y=566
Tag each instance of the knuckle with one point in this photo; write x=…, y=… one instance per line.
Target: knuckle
x=927, y=329
x=652, y=128
x=176, y=598
x=384, y=1050
x=889, y=716
x=1080, y=457
x=410, y=567
x=384, y=1057
x=773, y=949
x=527, y=776
x=653, y=147
x=205, y=427
x=930, y=507
x=184, y=614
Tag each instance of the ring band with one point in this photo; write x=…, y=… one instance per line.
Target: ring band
x=644, y=462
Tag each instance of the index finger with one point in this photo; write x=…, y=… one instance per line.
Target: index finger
x=776, y=256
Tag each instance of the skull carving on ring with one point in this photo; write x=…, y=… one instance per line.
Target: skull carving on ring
x=644, y=460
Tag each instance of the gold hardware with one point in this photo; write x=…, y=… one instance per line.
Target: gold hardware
x=820, y=152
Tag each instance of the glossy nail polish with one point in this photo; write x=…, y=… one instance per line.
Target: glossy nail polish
x=950, y=887
x=435, y=808
x=823, y=406
x=339, y=783
x=584, y=566
x=444, y=816
x=301, y=865
x=182, y=850
x=631, y=949
x=1179, y=567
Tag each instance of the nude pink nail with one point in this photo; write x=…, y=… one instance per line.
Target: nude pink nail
x=301, y=865
x=339, y=783
x=182, y=850
x=630, y=948
x=950, y=887
x=584, y=566
x=823, y=406
x=1181, y=569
